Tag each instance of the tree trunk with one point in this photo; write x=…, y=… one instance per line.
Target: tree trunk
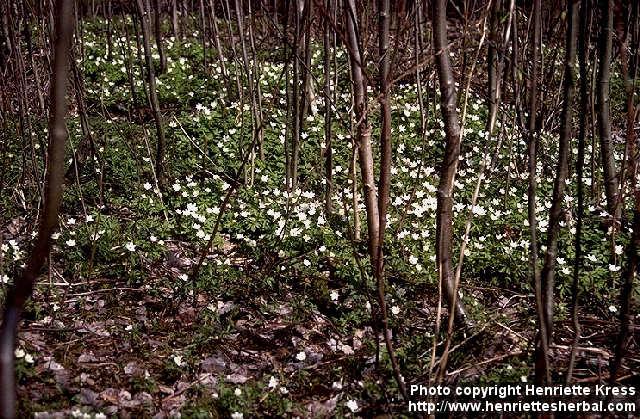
x=449, y=167
x=604, y=123
x=365, y=153
x=328, y=156
x=584, y=104
x=542, y=343
x=492, y=59
x=158, y=32
x=629, y=72
x=562, y=170
x=153, y=95
x=23, y=288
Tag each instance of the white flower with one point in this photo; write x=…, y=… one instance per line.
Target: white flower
x=237, y=415
x=307, y=262
x=273, y=382
x=237, y=391
x=178, y=360
x=19, y=353
x=283, y=390
x=146, y=186
x=614, y=268
x=301, y=356
x=592, y=257
x=184, y=277
x=523, y=378
x=619, y=249
x=334, y=295
x=352, y=405
x=89, y=218
x=395, y=310
x=613, y=309
x=70, y=242
x=28, y=359
x=4, y=279
x=130, y=247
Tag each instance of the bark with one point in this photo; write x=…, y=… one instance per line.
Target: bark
x=492, y=59
x=542, y=344
x=365, y=153
x=153, y=95
x=603, y=111
x=216, y=39
x=584, y=104
x=258, y=90
x=297, y=109
x=158, y=33
x=449, y=167
x=562, y=170
x=203, y=25
x=109, y=16
x=175, y=25
x=23, y=288
x=250, y=72
x=385, y=123
x=327, y=42
x=631, y=268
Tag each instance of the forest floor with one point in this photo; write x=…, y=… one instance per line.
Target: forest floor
x=105, y=347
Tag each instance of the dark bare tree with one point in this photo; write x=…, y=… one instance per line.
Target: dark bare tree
x=23, y=288
x=604, y=108
x=562, y=169
x=579, y=167
x=157, y=26
x=542, y=343
x=365, y=154
x=449, y=165
x=632, y=158
x=143, y=7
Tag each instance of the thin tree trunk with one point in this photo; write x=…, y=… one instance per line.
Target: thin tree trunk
x=203, y=25
x=365, y=152
x=577, y=263
x=542, y=343
x=258, y=92
x=328, y=156
x=449, y=167
x=157, y=4
x=631, y=268
x=295, y=139
x=216, y=39
x=562, y=170
x=604, y=122
x=256, y=120
x=493, y=72
x=153, y=95
x=175, y=25
x=23, y=288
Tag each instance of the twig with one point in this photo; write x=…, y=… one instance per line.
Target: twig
x=488, y=361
